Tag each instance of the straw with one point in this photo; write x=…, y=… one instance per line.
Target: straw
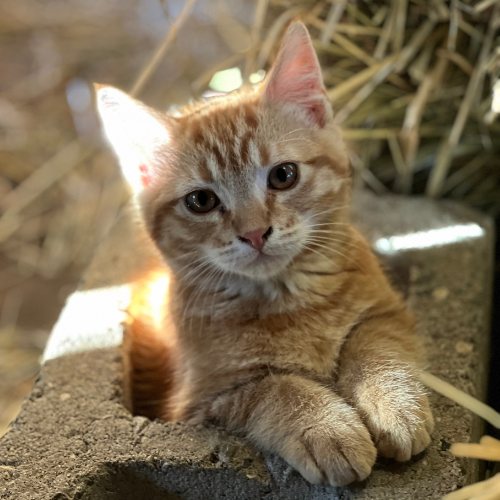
x=440, y=171
x=161, y=50
x=467, y=401
x=474, y=490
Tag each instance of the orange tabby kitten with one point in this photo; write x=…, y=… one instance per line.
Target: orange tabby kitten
x=287, y=328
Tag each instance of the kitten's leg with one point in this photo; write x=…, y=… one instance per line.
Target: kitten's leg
x=311, y=427
x=378, y=375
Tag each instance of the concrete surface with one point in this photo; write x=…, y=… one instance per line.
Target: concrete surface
x=74, y=438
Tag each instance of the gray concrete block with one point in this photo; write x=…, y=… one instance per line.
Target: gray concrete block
x=75, y=439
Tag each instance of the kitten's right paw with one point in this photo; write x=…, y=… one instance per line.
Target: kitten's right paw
x=336, y=452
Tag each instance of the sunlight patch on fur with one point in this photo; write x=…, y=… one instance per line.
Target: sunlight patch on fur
x=151, y=297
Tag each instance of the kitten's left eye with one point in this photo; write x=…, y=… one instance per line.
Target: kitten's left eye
x=202, y=201
x=283, y=176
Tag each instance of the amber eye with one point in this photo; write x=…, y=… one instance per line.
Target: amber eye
x=283, y=176
x=202, y=201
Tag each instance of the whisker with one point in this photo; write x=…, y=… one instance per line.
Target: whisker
x=328, y=210
x=311, y=227
x=199, y=292
x=326, y=231
x=210, y=290
x=318, y=273
x=184, y=255
x=192, y=271
x=315, y=243
x=202, y=313
x=345, y=242
x=318, y=253
x=303, y=139
x=294, y=230
x=193, y=297
x=214, y=295
x=186, y=307
x=292, y=132
x=207, y=268
x=192, y=263
x=329, y=224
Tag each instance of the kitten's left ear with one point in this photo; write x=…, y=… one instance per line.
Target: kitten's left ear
x=296, y=76
x=139, y=135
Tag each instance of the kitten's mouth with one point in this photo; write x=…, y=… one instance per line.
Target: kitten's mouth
x=262, y=257
x=261, y=265
x=267, y=260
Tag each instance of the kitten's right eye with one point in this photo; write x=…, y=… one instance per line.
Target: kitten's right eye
x=202, y=201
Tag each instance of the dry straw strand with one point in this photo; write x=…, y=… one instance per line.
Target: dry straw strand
x=260, y=16
x=462, y=398
x=440, y=171
x=333, y=18
x=474, y=490
x=473, y=450
x=161, y=50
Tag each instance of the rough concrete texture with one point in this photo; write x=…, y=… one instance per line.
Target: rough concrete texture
x=74, y=439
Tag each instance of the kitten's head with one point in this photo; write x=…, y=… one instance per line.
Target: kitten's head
x=244, y=183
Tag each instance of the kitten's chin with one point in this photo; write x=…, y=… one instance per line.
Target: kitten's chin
x=264, y=267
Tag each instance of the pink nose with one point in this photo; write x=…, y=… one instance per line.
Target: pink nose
x=257, y=239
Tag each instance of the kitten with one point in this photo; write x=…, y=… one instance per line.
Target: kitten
x=287, y=328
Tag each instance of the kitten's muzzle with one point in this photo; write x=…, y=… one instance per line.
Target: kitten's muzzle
x=256, y=239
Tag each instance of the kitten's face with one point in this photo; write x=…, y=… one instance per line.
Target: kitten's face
x=252, y=181
x=244, y=183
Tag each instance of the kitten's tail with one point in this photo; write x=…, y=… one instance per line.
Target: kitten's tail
x=149, y=348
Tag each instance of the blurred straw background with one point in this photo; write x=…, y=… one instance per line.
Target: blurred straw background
x=411, y=82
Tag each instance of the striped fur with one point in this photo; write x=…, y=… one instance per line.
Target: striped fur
x=307, y=349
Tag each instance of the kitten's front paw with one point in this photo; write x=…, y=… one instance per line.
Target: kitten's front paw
x=400, y=422
x=334, y=452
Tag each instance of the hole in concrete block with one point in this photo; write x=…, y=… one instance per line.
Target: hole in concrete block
x=124, y=482
x=164, y=481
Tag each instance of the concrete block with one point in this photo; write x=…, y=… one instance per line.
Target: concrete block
x=75, y=439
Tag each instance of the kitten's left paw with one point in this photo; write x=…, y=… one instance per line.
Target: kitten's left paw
x=400, y=423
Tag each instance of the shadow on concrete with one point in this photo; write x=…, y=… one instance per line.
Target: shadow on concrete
x=122, y=482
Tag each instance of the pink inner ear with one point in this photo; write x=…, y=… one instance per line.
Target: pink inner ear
x=296, y=76
x=146, y=176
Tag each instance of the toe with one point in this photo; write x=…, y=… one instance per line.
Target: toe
x=385, y=446
x=421, y=441
x=403, y=453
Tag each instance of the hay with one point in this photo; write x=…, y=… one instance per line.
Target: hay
x=488, y=447
x=481, y=409
x=489, y=489
x=442, y=53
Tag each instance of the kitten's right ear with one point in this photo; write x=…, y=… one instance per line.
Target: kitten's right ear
x=136, y=133
x=295, y=78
